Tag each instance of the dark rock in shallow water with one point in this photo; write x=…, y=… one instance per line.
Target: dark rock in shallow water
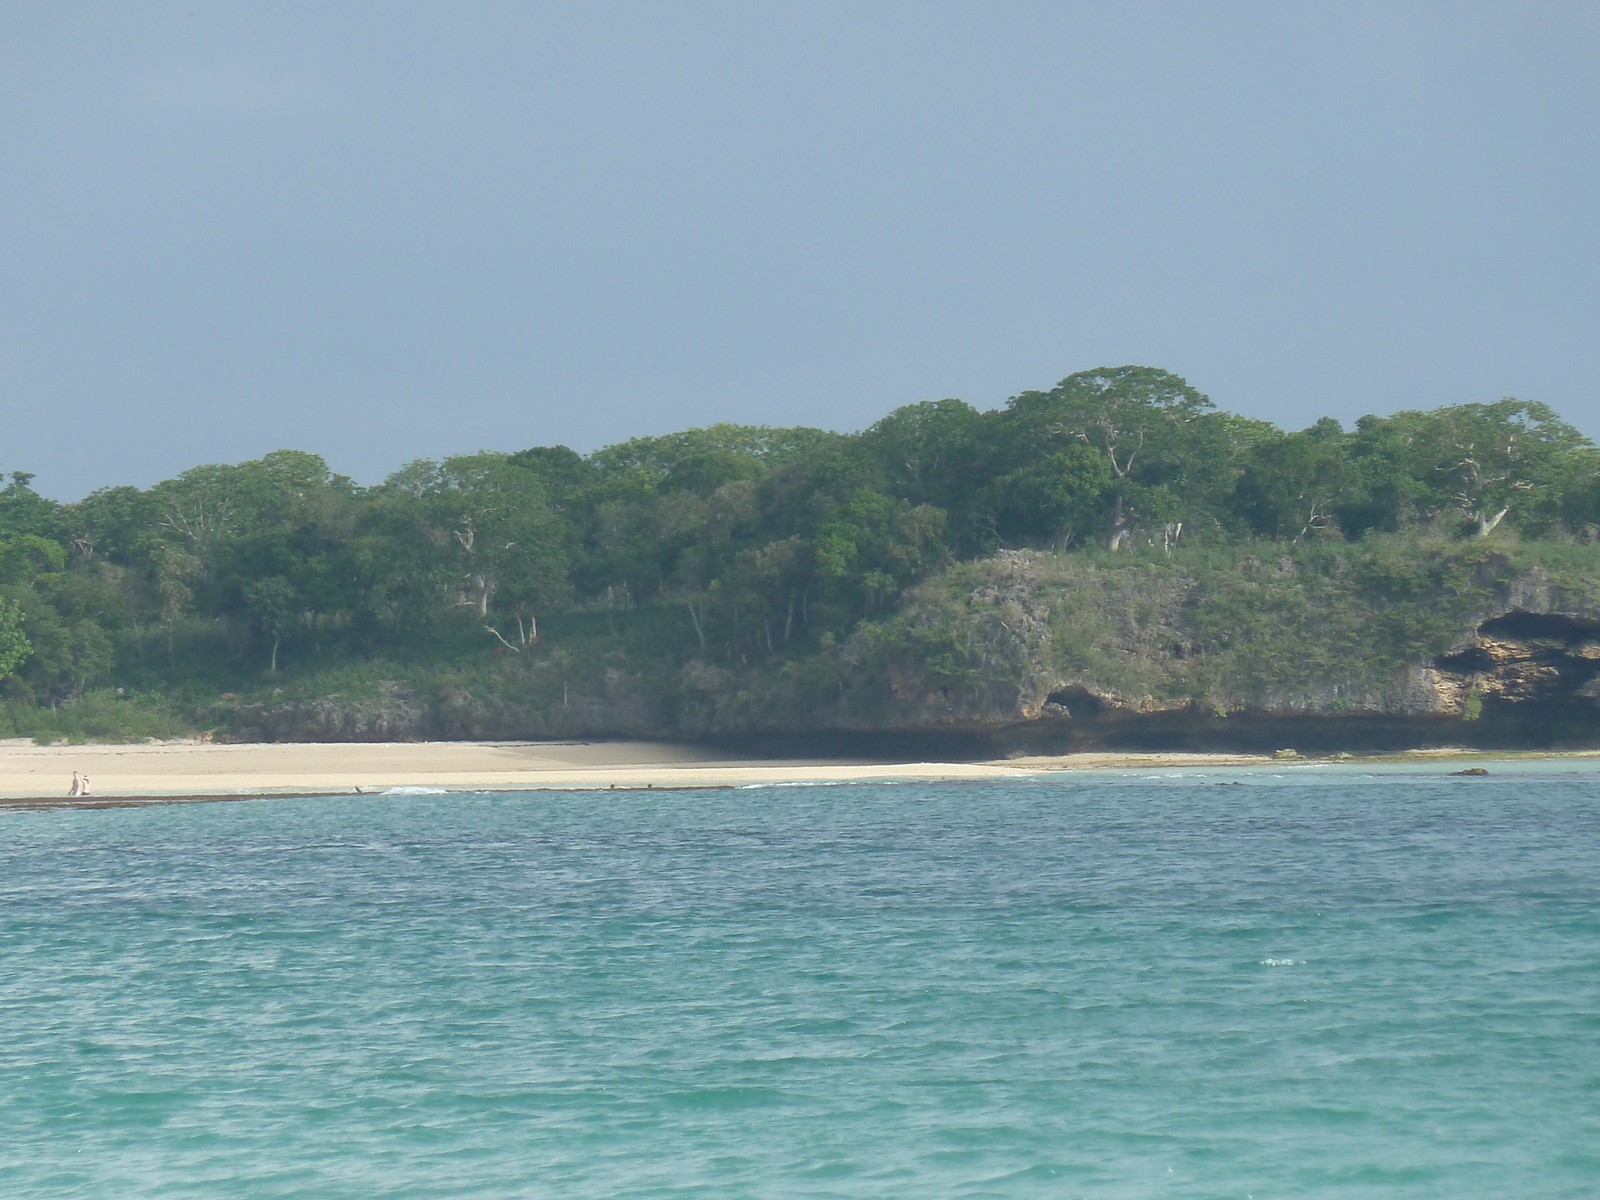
x=1471, y=771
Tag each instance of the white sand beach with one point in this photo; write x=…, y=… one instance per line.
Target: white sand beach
x=173, y=770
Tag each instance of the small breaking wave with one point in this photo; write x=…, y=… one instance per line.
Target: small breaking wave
x=794, y=783
x=407, y=790
x=1282, y=962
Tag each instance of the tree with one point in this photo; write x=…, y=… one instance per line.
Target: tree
x=281, y=490
x=282, y=580
x=23, y=559
x=1291, y=485
x=877, y=546
x=175, y=571
x=110, y=524
x=23, y=511
x=14, y=644
x=561, y=470
x=64, y=653
x=1149, y=426
x=938, y=452
x=1389, y=480
x=1492, y=457
x=1480, y=462
x=778, y=576
x=1055, y=500
x=1575, y=502
x=662, y=456
x=273, y=604
x=502, y=538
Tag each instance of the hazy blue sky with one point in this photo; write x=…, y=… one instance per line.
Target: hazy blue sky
x=396, y=230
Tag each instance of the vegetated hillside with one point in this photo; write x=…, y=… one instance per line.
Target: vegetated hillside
x=1113, y=548
x=1388, y=643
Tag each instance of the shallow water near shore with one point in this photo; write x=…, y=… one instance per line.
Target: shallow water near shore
x=1336, y=983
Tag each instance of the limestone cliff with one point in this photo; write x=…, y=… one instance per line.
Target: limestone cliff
x=1373, y=646
x=1044, y=652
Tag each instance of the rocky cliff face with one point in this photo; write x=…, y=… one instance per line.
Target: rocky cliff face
x=1528, y=680
x=1046, y=653
x=396, y=714
x=1522, y=669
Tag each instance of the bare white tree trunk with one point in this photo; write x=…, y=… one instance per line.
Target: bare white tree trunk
x=1117, y=531
x=502, y=641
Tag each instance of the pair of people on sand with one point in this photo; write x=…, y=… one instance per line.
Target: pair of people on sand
x=80, y=785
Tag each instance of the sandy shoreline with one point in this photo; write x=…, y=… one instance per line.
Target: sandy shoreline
x=31, y=774
x=191, y=769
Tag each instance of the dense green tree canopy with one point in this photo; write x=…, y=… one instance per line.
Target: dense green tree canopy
x=737, y=540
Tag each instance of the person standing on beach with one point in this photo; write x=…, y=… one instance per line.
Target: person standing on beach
x=83, y=787
x=77, y=785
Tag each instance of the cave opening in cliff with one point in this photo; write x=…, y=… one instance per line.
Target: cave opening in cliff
x=1526, y=626
x=1078, y=701
x=1570, y=642
x=1527, y=660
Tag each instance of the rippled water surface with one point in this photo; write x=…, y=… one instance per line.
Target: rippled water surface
x=1309, y=985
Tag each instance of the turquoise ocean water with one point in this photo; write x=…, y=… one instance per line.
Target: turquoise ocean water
x=1320, y=983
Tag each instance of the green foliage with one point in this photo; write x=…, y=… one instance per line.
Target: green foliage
x=95, y=717
x=713, y=570
x=1324, y=625
x=23, y=511
x=1169, y=454
x=875, y=546
x=1288, y=486
x=14, y=644
x=1058, y=500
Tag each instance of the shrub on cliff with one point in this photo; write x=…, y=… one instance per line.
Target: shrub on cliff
x=1320, y=623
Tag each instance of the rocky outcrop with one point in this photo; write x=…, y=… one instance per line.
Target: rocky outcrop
x=1040, y=653
x=1147, y=668
x=1529, y=679
x=394, y=715
x=1523, y=657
